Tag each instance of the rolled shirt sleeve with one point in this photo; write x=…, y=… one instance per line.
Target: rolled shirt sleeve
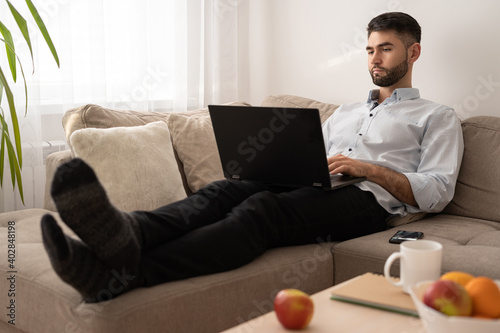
x=433, y=184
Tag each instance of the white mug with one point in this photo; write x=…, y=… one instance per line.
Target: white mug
x=419, y=260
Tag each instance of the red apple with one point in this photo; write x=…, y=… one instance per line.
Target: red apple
x=294, y=308
x=448, y=297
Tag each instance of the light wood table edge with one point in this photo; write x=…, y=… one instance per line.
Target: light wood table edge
x=335, y=316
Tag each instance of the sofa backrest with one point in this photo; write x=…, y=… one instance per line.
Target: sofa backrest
x=191, y=131
x=292, y=101
x=477, y=193
x=95, y=116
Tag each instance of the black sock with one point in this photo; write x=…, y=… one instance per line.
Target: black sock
x=78, y=266
x=114, y=236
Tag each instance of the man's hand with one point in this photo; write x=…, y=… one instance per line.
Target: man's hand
x=394, y=182
x=345, y=165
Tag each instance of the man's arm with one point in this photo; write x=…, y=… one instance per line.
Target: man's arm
x=392, y=181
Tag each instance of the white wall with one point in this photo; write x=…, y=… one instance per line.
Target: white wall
x=315, y=48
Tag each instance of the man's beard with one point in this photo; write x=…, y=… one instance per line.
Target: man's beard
x=392, y=76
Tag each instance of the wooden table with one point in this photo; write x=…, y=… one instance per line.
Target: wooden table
x=336, y=317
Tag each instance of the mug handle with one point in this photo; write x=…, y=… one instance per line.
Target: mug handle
x=387, y=267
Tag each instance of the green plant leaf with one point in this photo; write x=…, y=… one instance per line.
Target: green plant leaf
x=13, y=114
x=15, y=170
x=1, y=92
x=24, y=82
x=23, y=26
x=2, y=160
x=5, y=138
x=2, y=144
x=43, y=30
x=9, y=46
x=4, y=135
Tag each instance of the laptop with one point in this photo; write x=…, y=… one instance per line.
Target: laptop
x=281, y=146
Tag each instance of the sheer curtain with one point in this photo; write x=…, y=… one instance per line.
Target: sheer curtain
x=154, y=55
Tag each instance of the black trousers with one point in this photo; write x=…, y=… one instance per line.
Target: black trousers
x=229, y=223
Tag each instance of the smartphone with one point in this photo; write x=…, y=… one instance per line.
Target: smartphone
x=402, y=236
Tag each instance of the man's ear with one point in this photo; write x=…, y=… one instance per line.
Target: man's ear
x=414, y=52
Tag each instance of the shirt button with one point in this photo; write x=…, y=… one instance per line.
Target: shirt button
x=371, y=114
x=350, y=149
x=360, y=134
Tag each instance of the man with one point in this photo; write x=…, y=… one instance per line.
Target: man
x=409, y=149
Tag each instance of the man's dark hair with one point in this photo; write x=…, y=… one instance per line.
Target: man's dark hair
x=405, y=26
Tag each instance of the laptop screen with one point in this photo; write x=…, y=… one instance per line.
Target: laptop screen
x=272, y=145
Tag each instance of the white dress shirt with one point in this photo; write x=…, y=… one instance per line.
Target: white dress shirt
x=416, y=137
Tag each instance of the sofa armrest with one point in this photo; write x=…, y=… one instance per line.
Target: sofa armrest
x=52, y=162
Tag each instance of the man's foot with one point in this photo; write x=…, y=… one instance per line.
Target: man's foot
x=114, y=236
x=78, y=266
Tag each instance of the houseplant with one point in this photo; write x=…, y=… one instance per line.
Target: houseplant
x=10, y=144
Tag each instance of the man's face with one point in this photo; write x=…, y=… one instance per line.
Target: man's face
x=387, y=58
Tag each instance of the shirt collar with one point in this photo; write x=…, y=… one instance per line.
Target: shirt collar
x=398, y=95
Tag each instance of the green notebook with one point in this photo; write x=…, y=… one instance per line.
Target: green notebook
x=375, y=291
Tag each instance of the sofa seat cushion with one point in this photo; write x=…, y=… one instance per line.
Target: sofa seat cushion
x=211, y=303
x=470, y=245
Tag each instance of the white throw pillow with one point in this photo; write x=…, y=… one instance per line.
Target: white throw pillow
x=136, y=165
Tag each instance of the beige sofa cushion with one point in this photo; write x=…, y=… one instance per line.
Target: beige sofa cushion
x=95, y=116
x=291, y=101
x=52, y=162
x=469, y=245
x=478, y=185
x=136, y=165
x=194, y=142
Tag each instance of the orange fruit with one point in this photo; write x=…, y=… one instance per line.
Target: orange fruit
x=461, y=278
x=485, y=296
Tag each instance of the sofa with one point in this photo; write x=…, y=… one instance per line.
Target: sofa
x=147, y=159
